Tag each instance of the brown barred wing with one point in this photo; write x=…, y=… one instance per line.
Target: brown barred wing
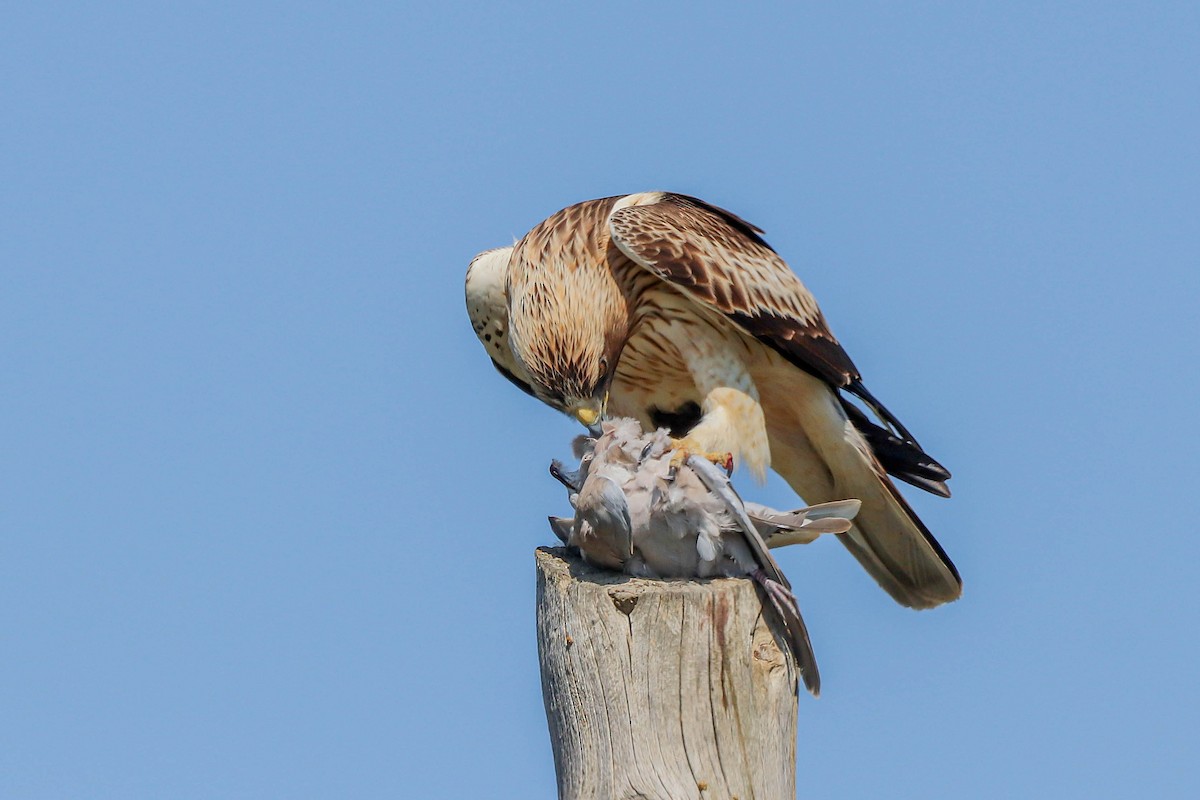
x=721, y=261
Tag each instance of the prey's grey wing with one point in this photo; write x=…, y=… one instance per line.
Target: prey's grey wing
x=803, y=525
x=603, y=505
x=718, y=483
x=768, y=574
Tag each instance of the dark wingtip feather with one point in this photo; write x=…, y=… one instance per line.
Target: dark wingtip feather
x=901, y=458
x=933, y=487
x=856, y=388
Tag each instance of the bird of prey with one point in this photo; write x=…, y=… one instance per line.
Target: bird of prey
x=636, y=512
x=675, y=312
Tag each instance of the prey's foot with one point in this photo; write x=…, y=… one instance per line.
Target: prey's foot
x=685, y=447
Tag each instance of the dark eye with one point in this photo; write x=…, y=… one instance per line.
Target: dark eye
x=604, y=363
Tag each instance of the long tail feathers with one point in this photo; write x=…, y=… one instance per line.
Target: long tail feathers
x=887, y=538
x=892, y=543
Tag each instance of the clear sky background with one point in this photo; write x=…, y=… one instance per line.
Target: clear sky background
x=267, y=513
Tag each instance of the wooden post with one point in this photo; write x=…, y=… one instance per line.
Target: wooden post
x=662, y=690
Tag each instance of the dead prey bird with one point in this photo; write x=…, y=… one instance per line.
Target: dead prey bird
x=641, y=510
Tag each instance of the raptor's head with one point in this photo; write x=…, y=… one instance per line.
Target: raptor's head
x=571, y=365
x=568, y=324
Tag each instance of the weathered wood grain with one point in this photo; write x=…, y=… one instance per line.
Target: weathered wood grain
x=662, y=690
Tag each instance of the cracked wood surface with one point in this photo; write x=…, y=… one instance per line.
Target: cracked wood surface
x=662, y=690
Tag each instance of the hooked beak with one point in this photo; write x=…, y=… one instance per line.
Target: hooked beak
x=590, y=417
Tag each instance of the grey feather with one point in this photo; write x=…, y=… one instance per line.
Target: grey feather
x=562, y=528
x=804, y=525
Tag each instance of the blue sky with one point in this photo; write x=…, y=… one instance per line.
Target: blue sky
x=267, y=514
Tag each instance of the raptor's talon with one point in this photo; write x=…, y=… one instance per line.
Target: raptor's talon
x=683, y=449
